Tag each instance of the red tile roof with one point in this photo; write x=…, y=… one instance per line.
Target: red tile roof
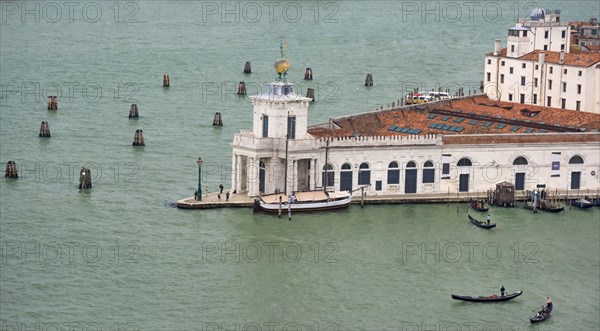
x=571, y=59
x=471, y=115
x=575, y=58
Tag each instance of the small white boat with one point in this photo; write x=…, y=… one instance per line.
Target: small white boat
x=303, y=201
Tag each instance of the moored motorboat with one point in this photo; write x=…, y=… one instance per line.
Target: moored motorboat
x=480, y=224
x=542, y=314
x=582, y=203
x=303, y=201
x=488, y=298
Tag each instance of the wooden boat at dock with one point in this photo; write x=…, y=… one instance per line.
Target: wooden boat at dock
x=543, y=314
x=546, y=206
x=480, y=224
x=488, y=298
x=310, y=201
x=582, y=203
x=479, y=205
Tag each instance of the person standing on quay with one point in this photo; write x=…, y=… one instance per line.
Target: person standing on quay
x=221, y=188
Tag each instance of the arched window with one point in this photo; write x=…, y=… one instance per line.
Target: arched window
x=520, y=161
x=346, y=177
x=364, y=174
x=328, y=175
x=411, y=164
x=464, y=162
x=576, y=160
x=393, y=173
x=428, y=172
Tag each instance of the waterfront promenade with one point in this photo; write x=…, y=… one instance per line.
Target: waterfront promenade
x=211, y=200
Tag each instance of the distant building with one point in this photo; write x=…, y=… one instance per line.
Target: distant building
x=589, y=34
x=538, y=67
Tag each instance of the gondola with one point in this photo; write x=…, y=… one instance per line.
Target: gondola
x=489, y=298
x=481, y=224
x=547, y=208
x=479, y=205
x=542, y=314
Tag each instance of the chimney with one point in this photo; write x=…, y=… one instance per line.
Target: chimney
x=562, y=57
x=542, y=58
x=497, y=47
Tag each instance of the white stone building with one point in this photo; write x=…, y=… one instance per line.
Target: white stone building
x=538, y=67
x=465, y=145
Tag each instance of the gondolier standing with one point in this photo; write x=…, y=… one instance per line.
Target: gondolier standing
x=502, y=288
x=488, y=218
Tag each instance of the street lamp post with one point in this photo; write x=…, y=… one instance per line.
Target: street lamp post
x=199, y=162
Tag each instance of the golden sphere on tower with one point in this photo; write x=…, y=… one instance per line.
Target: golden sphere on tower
x=282, y=66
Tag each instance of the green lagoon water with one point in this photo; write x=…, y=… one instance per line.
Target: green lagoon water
x=120, y=257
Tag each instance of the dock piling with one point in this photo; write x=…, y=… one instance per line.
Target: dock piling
x=369, y=80
x=138, y=138
x=44, y=130
x=52, y=102
x=133, y=111
x=279, y=210
x=310, y=93
x=247, y=68
x=166, y=80
x=241, y=89
x=11, y=170
x=85, y=179
x=308, y=74
x=362, y=197
x=217, y=121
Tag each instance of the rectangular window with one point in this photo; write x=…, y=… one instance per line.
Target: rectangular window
x=563, y=103
x=446, y=166
x=501, y=78
x=565, y=71
x=564, y=87
x=535, y=99
x=562, y=47
x=545, y=47
x=489, y=75
x=522, y=80
x=510, y=97
x=523, y=65
x=545, y=34
x=265, y=126
x=551, y=69
x=512, y=48
x=549, y=102
x=535, y=82
x=564, y=34
x=502, y=63
x=522, y=98
x=537, y=67
x=428, y=175
x=555, y=168
x=378, y=185
x=577, y=105
x=579, y=73
x=489, y=61
x=578, y=88
x=549, y=84
x=291, y=129
x=524, y=33
x=510, y=70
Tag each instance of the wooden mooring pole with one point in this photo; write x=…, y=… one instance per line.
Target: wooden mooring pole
x=11, y=170
x=85, y=179
x=247, y=68
x=133, y=111
x=362, y=197
x=166, y=80
x=44, y=130
x=138, y=138
x=308, y=74
x=217, y=121
x=241, y=88
x=52, y=102
x=369, y=80
x=279, y=210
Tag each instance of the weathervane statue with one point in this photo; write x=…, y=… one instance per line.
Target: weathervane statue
x=282, y=66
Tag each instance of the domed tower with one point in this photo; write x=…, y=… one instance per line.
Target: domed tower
x=280, y=111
